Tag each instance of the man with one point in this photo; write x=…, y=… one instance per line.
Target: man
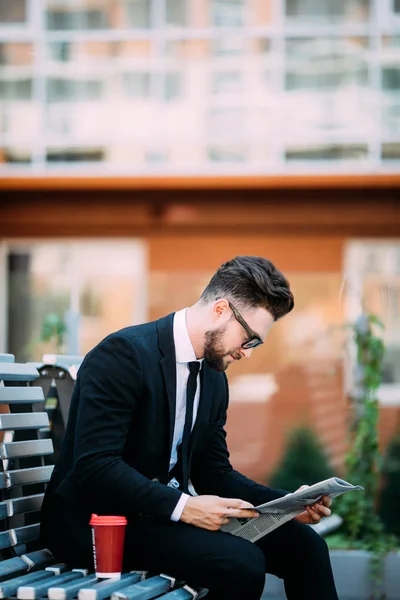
x=148, y=414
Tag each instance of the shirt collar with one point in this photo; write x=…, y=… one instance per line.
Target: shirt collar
x=184, y=352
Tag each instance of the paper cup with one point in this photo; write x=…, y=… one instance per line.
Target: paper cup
x=108, y=535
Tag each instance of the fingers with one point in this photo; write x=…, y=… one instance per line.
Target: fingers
x=235, y=503
x=327, y=501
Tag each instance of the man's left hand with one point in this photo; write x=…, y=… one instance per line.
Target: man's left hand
x=315, y=512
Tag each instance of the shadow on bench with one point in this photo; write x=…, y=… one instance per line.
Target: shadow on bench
x=27, y=571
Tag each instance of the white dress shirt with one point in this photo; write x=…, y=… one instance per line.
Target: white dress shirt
x=184, y=354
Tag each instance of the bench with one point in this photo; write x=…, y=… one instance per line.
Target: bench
x=27, y=571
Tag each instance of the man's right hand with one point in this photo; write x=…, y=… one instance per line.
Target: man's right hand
x=211, y=512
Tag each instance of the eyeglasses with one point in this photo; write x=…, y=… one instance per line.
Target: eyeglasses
x=254, y=339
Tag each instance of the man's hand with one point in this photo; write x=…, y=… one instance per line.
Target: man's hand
x=315, y=512
x=211, y=512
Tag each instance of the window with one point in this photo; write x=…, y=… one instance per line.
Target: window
x=67, y=90
x=15, y=89
x=391, y=78
x=326, y=11
x=76, y=20
x=96, y=287
x=372, y=274
x=176, y=12
x=227, y=13
x=136, y=85
x=12, y=12
x=321, y=152
x=138, y=13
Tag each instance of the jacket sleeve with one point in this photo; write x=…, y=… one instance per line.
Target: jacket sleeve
x=212, y=472
x=111, y=387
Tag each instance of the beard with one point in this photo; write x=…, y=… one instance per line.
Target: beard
x=214, y=352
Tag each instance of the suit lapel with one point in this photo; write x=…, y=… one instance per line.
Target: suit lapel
x=168, y=368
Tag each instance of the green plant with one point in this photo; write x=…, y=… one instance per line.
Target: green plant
x=53, y=329
x=390, y=495
x=361, y=521
x=304, y=461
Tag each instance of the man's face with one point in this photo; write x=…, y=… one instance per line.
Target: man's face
x=223, y=344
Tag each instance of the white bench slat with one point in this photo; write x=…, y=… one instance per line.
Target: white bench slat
x=21, y=395
x=18, y=372
x=23, y=535
x=8, y=358
x=16, y=421
x=26, y=476
x=17, y=506
x=28, y=448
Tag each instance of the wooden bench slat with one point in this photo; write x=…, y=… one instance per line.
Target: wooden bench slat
x=10, y=587
x=180, y=594
x=29, y=448
x=38, y=589
x=17, y=421
x=18, y=372
x=5, y=540
x=67, y=591
x=12, y=567
x=22, y=535
x=26, y=476
x=21, y=395
x=17, y=506
x=145, y=590
x=38, y=559
x=105, y=588
x=25, y=504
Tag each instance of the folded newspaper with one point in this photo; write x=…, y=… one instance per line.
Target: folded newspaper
x=277, y=512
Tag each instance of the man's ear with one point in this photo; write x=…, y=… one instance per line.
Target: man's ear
x=220, y=307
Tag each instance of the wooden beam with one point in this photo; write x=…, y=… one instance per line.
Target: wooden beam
x=206, y=182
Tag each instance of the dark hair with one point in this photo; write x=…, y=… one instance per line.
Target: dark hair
x=251, y=281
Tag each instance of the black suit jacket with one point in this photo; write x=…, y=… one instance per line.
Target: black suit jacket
x=117, y=447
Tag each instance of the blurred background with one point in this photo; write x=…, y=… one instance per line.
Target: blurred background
x=145, y=142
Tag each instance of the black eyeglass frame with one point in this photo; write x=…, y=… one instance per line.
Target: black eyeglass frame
x=254, y=339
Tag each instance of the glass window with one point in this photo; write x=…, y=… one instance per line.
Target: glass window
x=64, y=19
x=326, y=63
x=16, y=155
x=94, y=287
x=326, y=11
x=226, y=153
x=173, y=86
x=391, y=151
x=334, y=152
x=391, y=78
x=75, y=155
x=13, y=12
x=138, y=13
x=16, y=89
x=136, y=85
x=176, y=12
x=69, y=90
x=227, y=13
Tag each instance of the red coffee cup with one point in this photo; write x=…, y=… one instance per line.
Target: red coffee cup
x=108, y=535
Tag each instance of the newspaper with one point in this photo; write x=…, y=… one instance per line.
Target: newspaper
x=277, y=512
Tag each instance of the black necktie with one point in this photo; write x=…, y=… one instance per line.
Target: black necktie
x=190, y=394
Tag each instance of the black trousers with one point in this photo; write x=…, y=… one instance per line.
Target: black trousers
x=230, y=567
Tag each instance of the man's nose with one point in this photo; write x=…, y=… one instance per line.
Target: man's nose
x=246, y=352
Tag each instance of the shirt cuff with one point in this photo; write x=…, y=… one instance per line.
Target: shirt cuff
x=176, y=515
